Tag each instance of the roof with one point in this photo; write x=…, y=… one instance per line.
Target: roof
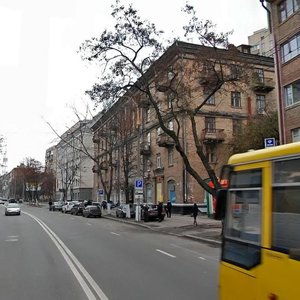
x=291, y=149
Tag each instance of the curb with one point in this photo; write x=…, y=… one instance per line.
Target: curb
x=187, y=236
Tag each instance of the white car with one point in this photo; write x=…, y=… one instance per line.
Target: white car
x=66, y=208
x=12, y=209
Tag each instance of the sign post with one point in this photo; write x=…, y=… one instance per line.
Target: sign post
x=138, y=196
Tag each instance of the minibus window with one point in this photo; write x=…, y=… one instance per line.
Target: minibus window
x=286, y=206
x=242, y=232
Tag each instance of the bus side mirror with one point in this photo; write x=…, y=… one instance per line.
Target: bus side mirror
x=221, y=200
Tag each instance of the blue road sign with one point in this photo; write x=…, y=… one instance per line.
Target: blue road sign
x=139, y=184
x=101, y=192
x=270, y=142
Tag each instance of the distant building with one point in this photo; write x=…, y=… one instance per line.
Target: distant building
x=285, y=20
x=261, y=42
x=70, y=164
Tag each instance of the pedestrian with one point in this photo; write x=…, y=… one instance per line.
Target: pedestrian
x=159, y=211
x=146, y=213
x=50, y=204
x=195, y=213
x=169, y=209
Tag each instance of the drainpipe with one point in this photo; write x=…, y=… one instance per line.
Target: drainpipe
x=280, y=104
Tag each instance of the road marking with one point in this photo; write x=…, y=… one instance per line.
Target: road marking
x=115, y=233
x=166, y=253
x=12, y=236
x=88, y=224
x=81, y=274
x=202, y=258
x=11, y=240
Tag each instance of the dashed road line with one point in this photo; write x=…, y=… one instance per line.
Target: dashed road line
x=115, y=233
x=166, y=253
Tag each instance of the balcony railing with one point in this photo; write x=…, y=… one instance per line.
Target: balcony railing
x=163, y=140
x=213, y=135
x=145, y=148
x=262, y=85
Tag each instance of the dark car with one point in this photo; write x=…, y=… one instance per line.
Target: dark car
x=92, y=211
x=77, y=209
x=150, y=213
x=121, y=211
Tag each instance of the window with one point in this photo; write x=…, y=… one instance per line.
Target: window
x=210, y=100
x=286, y=8
x=158, y=161
x=296, y=134
x=260, y=75
x=290, y=49
x=286, y=206
x=171, y=98
x=260, y=104
x=292, y=93
x=158, y=131
x=147, y=115
x=236, y=99
x=210, y=124
x=242, y=229
x=170, y=156
x=236, y=126
x=211, y=154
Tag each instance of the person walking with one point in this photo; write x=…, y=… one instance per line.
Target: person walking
x=50, y=204
x=169, y=209
x=159, y=211
x=195, y=213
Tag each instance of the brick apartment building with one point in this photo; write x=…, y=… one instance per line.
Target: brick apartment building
x=153, y=155
x=285, y=17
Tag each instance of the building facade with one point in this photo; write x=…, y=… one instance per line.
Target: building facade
x=154, y=155
x=285, y=17
x=71, y=165
x=261, y=42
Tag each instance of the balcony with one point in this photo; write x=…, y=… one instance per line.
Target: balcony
x=145, y=148
x=102, y=166
x=213, y=135
x=163, y=140
x=262, y=85
x=96, y=139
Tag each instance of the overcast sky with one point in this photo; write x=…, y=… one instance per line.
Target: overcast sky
x=42, y=76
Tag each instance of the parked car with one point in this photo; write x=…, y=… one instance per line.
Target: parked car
x=12, y=209
x=121, y=211
x=57, y=205
x=77, y=209
x=92, y=211
x=66, y=208
x=151, y=214
x=2, y=201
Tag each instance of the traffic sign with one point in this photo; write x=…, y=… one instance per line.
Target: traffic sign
x=101, y=192
x=270, y=142
x=139, y=184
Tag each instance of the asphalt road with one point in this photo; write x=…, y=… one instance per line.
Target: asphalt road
x=50, y=255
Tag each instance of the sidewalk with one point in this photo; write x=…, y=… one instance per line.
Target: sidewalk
x=208, y=230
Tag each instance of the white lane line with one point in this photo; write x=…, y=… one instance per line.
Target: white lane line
x=73, y=262
x=12, y=236
x=11, y=240
x=166, y=253
x=115, y=233
x=88, y=224
x=202, y=258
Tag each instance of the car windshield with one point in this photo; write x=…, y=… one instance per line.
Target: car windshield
x=13, y=205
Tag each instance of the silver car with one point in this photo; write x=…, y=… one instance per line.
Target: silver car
x=12, y=209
